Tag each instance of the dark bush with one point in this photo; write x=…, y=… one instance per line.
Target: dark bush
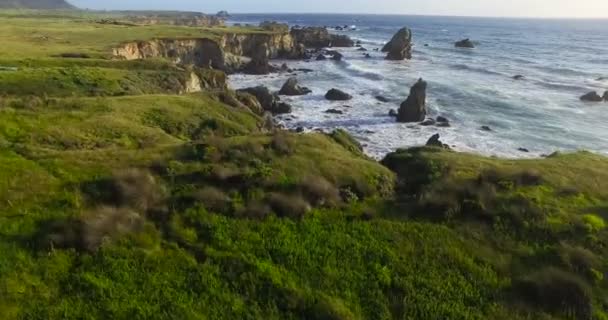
x=319, y=191
x=213, y=199
x=556, y=291
x=289, y=206
x=137, y=189
x=414, y=171
x=107, y=224
x=255, y=210
x=578, y=259
x=282, y=144
x=76, y=55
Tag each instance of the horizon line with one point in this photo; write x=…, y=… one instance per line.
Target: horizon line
x=422, y=15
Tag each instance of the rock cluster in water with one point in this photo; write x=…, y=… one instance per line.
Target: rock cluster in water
x=594, y=97
x=466, y=43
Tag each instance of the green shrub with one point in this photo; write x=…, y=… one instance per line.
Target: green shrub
x=108, y=224
x=319, y=191
x=347, y=141
x=579, y=260
x=290, y=206
x=136, y=189
x=282, y=144
x=556, y=291
x=213, y=199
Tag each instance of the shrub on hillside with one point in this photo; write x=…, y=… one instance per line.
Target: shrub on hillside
x=556, y=291
x=319, y=191
x=282, y=144
x=214, y=199
x=136, y=189
x=107, y=224
x=289, y=206
x=579, y=260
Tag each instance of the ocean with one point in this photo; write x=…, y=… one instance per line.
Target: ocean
x=560, y=59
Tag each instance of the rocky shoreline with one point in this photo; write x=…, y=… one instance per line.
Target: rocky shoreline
x=253, y=53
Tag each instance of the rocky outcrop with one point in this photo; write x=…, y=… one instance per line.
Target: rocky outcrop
x=341, y=41
x=465, y=43
x=291, y=88
x=413, y=109
x=260, y=61
x=198, y=52
x=319, y=37
x=232, y=52
x=435, y=142
x=400, y=46
x=270, y=102
x=337, y=95
x=592, y=97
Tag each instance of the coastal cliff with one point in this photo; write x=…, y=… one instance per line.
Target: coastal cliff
x=231, y=51
x=228, y=53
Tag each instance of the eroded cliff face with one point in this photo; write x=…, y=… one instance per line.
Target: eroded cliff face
x=230, y=53
x=198, y=52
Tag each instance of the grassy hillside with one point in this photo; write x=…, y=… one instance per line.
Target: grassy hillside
x=35, y=4
x=121, y=199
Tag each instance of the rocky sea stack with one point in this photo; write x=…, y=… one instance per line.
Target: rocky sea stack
x=291, y=88
x=400, y=46
x=413, y=109
x=466, y=43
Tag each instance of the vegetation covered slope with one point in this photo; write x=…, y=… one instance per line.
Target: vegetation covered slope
x=35, y=4
x=151, y=205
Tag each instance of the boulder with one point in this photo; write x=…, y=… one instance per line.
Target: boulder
x=435, y=142
x=260, y=61
x=392, y=113
x=465, y=43
x=270, y=102
x=485, y=128
x=321, y=57
x=382, y=98
x=413, y=109
x=281, y=108
x=337, y=95
x=518, y=77
x=428, y=122
x=291, y=88
x=592, y=97
x=362, y=49
x=400, y=46
x=367, y=56
x=343, y=41
x=334, y=111
x=523, y=150
x=605, y=96
x=442, y=119
x=335, y=55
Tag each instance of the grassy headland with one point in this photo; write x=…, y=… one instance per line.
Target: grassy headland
x=121, y=199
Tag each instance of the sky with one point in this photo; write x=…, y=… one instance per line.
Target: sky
x=491, y=8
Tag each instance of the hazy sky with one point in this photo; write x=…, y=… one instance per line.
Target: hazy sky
x=511, y=8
